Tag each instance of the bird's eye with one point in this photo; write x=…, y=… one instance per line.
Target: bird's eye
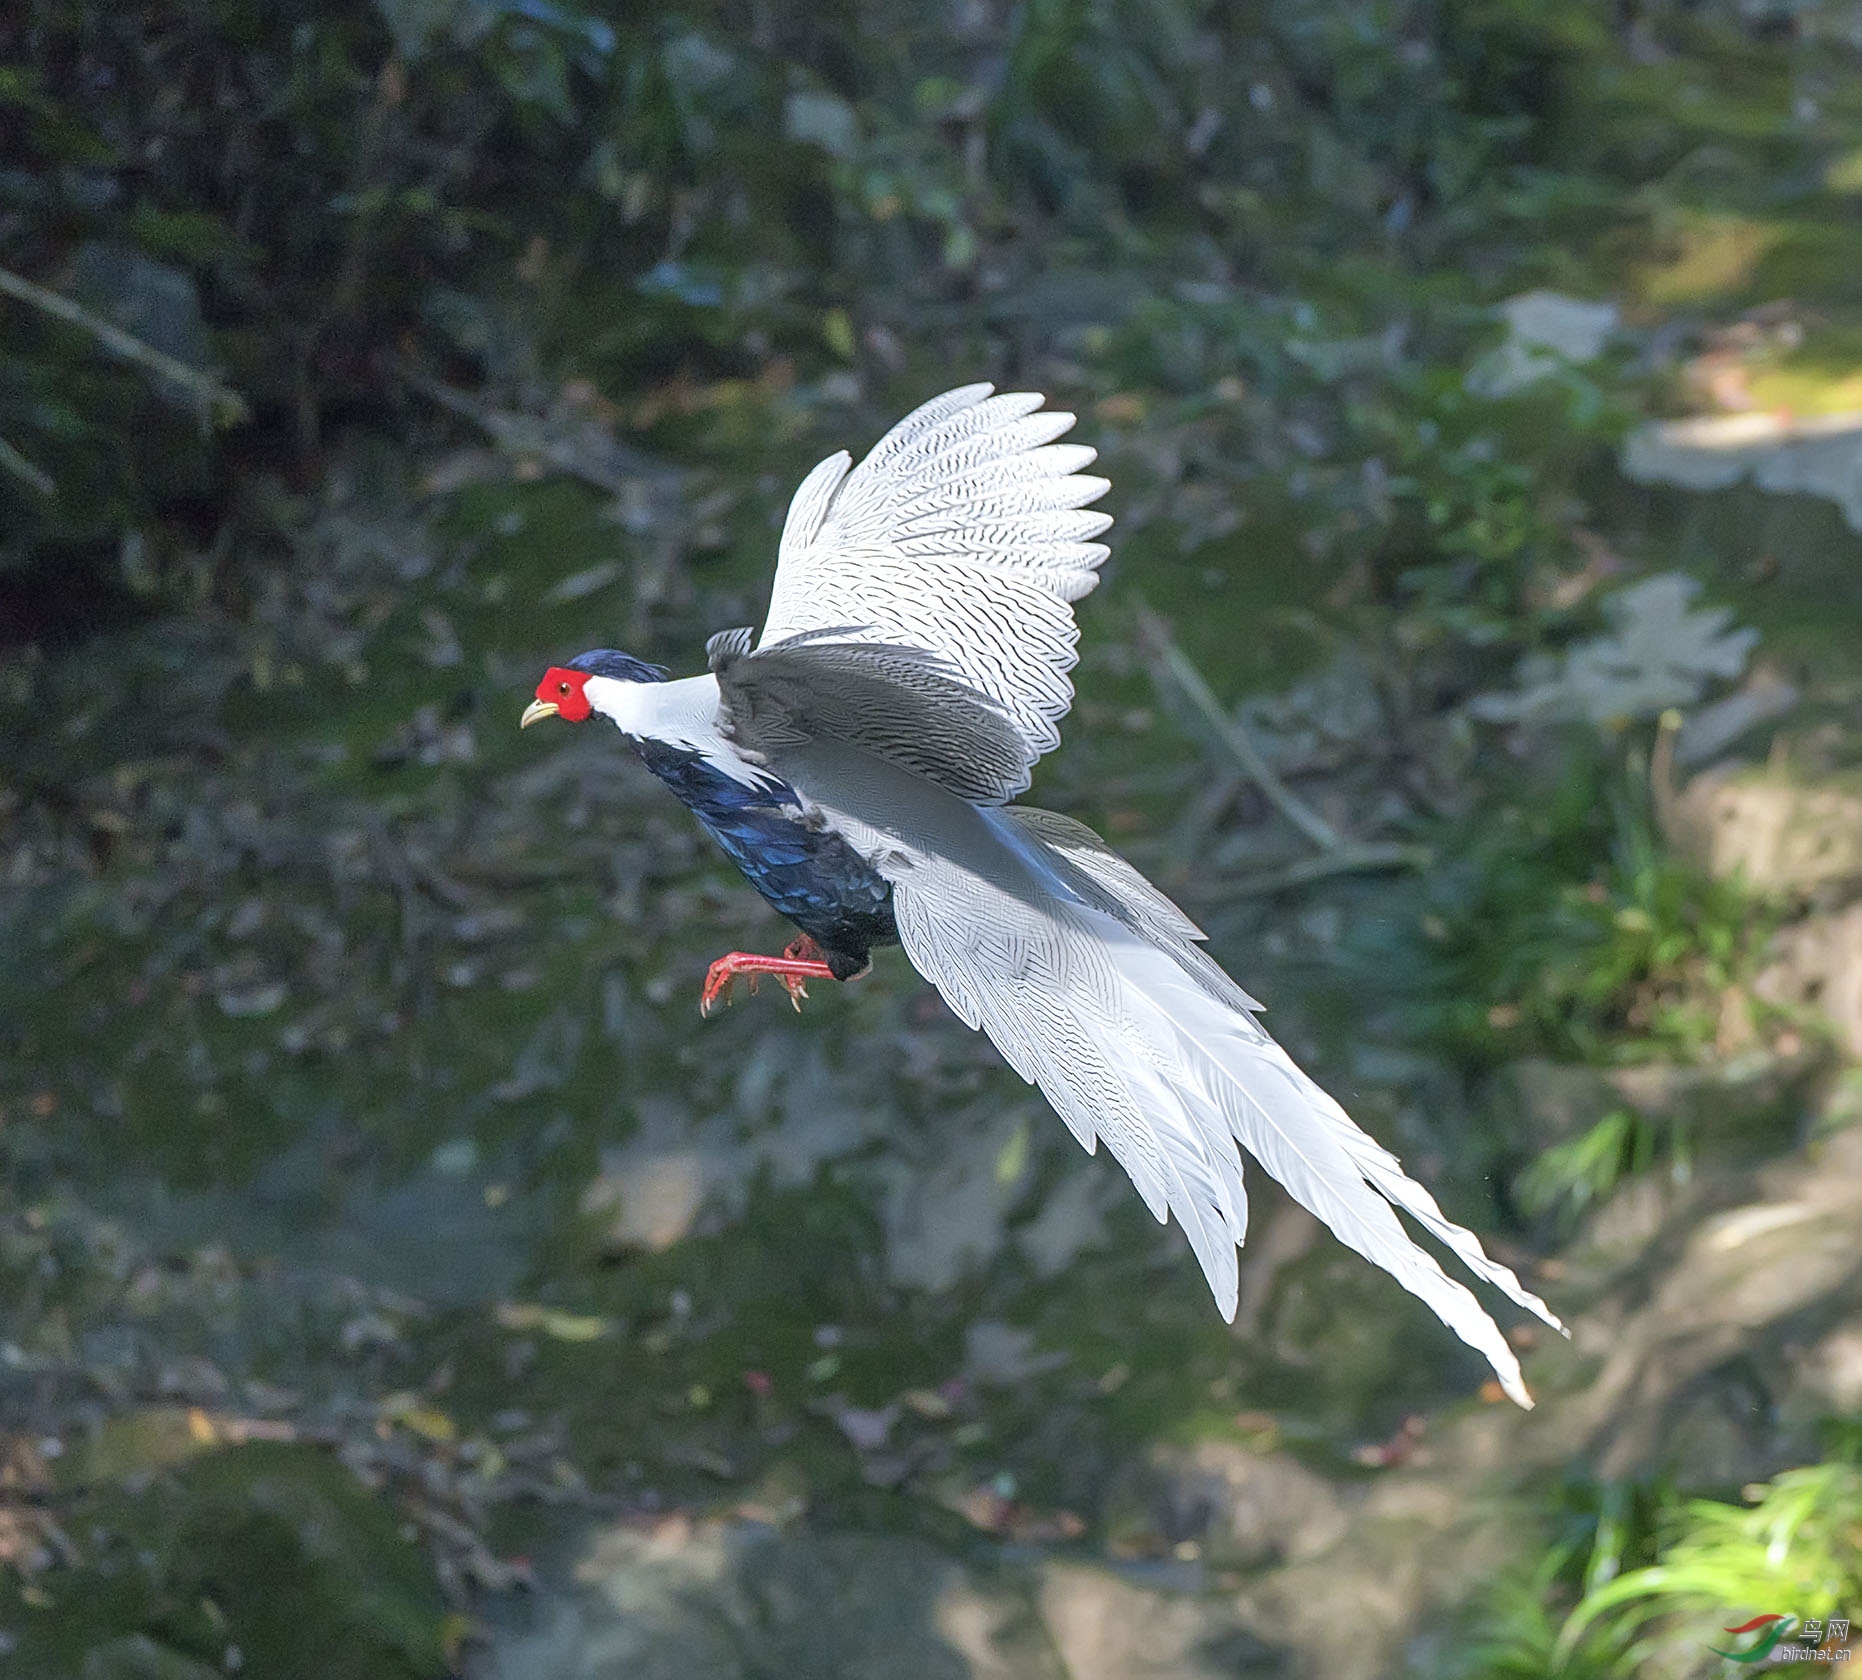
x=562, y=688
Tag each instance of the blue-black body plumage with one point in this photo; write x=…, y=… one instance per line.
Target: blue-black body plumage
x=806, y=870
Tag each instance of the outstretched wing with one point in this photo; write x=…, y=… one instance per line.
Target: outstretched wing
x=901, y=704
x=964, y=533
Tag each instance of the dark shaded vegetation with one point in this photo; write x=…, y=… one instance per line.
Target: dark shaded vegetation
x=465, y=335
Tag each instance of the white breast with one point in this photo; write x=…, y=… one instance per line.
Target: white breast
x=681, y=714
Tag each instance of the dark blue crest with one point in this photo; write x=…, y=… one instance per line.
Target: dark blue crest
x=607, y=662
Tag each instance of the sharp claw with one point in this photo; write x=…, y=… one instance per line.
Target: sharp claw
x=717, y=987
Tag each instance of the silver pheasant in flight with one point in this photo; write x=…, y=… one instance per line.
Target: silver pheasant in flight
x=857, y=761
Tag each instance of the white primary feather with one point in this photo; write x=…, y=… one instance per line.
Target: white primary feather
x=964, y=533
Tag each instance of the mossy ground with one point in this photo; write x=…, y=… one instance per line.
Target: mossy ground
x=324, y=992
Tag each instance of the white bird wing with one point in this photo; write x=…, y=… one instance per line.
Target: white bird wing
x=964, y=533
x=899, y=703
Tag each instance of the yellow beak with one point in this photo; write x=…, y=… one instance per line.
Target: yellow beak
x=537, y=711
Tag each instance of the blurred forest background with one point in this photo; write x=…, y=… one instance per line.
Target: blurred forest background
x=399, y=1279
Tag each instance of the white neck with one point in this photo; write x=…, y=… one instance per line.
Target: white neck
x=682, y=714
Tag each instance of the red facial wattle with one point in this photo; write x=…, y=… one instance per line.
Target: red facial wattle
x=567, y=691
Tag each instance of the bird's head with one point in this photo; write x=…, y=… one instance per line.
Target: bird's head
x=565, y=690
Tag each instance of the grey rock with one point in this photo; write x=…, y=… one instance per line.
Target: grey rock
x=1106, y=1627
x=1710, y=730
x=1757, y=1095
x=1818, y=962
x=1071, y=1220
x=1781, y=834
x=1545, y=330
x=1537, y=1102
x=1232, y=1507
x=1826, y=1378
x=946, y=1217
x=735, y=1601
x=1820, y=455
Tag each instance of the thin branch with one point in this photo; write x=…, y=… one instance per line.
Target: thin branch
x=1171, y=667
x=1349, y=858
x=220, y=401
x=524, y=434
x=20, y=467
x=1662, y=791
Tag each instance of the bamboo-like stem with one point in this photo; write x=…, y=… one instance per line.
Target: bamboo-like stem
x=220, y=401
x=1171, y=666
x=1349, y=858
x=20, y=467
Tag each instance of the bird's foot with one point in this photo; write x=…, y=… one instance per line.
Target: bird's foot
x=800, y=962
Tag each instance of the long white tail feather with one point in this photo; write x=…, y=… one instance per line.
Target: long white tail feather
x=1102, y=1013
x=1298, y=1132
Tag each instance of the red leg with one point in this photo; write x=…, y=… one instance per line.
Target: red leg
x=800, y=962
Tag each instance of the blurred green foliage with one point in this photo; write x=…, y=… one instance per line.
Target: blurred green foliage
x=1567, y=928
x=268, y=1558
x=1583, y=1170
x=1797, y=1542
x=1258, y=243
x=1636, y=1578
x=1314, y=198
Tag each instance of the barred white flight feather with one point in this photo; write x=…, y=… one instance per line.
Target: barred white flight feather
x=963, y=533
